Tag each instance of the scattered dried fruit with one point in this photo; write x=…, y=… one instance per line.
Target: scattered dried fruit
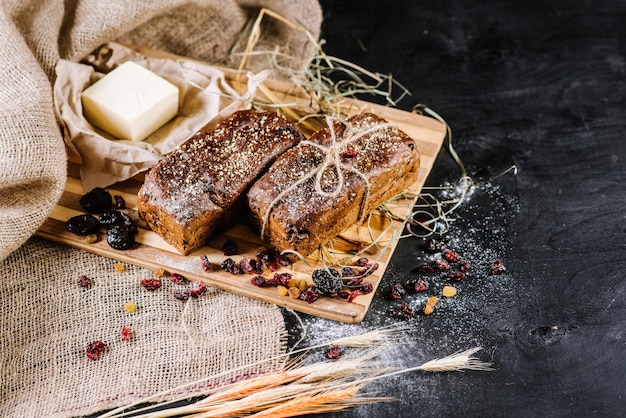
x=430, y=305
x=181, y=294
x=96, y=349
x=448, y=291
x=206, y=264
x=433, y=246
x=327, y=280
x=310, y=294
x=442, y=265
x=258, y=280
x=130, y=307
x=397, y=291
x=421, y=285
x=84, y=281
x=231, y=266
x=151, y=284
x=197, y=289
x=119, y=267
x=456, y=275
x=294, y=292
x=230, y=247
x=96, y=201
x=160, y=272
x=333, y=353
x=91, y=238
x=120, y=237
x=127, y=333
x=497, y=268
x=451, y=256
x=282, y=290
x=84, y=224
x=120, y=203
x=404, y=311
x=108, y=218
x=177, y=278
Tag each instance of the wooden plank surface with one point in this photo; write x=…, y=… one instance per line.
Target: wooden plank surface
x=152, y=252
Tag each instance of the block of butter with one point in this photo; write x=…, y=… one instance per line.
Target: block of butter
x=130, y=102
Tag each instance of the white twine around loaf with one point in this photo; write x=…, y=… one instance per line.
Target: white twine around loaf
x=332, y=158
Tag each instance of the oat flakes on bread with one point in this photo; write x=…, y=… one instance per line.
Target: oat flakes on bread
x=188, y=194
x=303, y=200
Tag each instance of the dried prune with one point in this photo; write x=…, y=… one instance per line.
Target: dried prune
x=120, y=203
x=327, y=280
x=120, y=237
x=96, y=201
x=108, y=218
x=84, y=224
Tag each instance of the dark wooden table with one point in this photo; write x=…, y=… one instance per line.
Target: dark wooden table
x=539, y=85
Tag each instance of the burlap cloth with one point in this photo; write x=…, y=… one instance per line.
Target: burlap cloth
x=47, y=320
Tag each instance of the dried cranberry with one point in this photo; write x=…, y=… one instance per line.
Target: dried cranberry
x=421, y=285
x=409, y=283
x=177, y=278
x=353, y=295
x=456, y=275
x=257, y=266
x=274, y=281
x=347, y=272
x=127, y=333
x=404, y=311
x=120, y=203
x=497, y=267
x=333, y=353
x=84, y=224
x=283, y=278
x=84, y=281
x=451, y=256
x=272, y=265
x=366, y=288
x=282, y=260
x=96, y=201
x=442, y=265
x=354, y=282
x=206, y=264
x=151, y=284
x=120, y=237
x=246, y=265
x=397, y=291
x=230, y=266
x=310, y=294
x=108, y=218
x=258, y=280
x=230, y=247
x=327, y=280
x=181, y=294
x=425, y=268
x=96, y=349
x=349, y=153
x=197, y=289
x=343, y=294
x=362, y=262
x=434, y=246
x=464, y=266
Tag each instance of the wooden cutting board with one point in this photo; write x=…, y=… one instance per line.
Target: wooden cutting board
x=153, y=253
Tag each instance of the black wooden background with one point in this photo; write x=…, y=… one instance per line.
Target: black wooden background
x=540, y=85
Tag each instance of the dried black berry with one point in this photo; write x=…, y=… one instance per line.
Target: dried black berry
x=327, y=280
x=96, y=201
x=230, y=266
x=120, y=237
x=83, y=224
x=108, y=218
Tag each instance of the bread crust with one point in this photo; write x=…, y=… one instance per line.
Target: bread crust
x=186, y=195
x=376, y=159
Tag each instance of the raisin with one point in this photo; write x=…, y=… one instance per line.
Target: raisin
x=84, y=224
x=497, y=268
x=451, y=256
x=310, y=294
x=206, y=264
x=327, y=280
x=130, y=307
x=333, y=353
x=108, y=218
x=464, y=266
x=197, y=289
x=353, y=295
x=96, y=201
x=425, y=268
x=96, y=349
x=127, y=333
x=84, y=281
x=397, y=291
x=120, y=237
x=404, y=311
x=434, y=246
x=231, y=266
x=258, y=280
x=151, y=284
x=230, y=247
x=177, y=278
x=120, y=203
x=421, y=285
x=181, y=294
x=294, y=292
x=442, y=265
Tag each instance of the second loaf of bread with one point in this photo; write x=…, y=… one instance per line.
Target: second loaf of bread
x=333, y=180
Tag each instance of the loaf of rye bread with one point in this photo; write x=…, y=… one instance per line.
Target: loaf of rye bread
x=187, y=195
x=333, y=180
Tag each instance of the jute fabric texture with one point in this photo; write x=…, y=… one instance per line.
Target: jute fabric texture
x=47, y=318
